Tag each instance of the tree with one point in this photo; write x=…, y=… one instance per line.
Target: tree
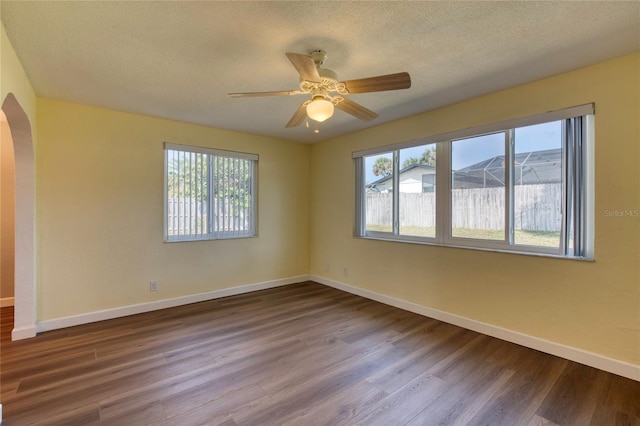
x=428, y=158
x=232, y=182
x=410, y=162
x=382, y=167
x=187, y=175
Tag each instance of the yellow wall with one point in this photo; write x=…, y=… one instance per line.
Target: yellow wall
x=7, y=209
x=100, y=212
x=593, y=306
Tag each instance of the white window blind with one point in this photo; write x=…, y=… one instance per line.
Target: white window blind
x=209, y=193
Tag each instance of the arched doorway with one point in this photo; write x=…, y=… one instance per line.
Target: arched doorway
x=24, y=275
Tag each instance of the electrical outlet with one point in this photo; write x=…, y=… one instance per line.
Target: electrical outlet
x=154, y=286
x=345, y=272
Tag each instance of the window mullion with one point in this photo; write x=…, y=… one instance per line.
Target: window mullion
x=443, y=191
x=566, y=190
x=396, y=193
x=360, y=207
x=509, y=186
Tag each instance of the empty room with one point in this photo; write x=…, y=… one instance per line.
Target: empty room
x=319, y=213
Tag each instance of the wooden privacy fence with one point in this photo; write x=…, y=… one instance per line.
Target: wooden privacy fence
x=537, y=208
x=189, y=216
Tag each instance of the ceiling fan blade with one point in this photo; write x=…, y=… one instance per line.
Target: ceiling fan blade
x=356, y=109
x=400, y=80
x=305, y=66
x=257, y=94
x=298, y=116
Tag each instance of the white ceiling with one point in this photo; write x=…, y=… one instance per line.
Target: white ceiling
x=178, y=60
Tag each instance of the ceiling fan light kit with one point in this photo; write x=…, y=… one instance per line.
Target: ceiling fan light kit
x=319, y=109
x=320, y=83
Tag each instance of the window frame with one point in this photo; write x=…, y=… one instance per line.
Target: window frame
x=211, y=233
x=577, y=186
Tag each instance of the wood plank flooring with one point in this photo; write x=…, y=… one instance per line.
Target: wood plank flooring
x=303, y=354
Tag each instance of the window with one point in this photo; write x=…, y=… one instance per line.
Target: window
x=379, y=199
x=538, y=184
x=416, y=189
x=209, y=193
x=525, y=185
x=478, y=187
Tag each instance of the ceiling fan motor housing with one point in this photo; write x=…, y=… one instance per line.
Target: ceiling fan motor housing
x=327, y=84
x=318, y=56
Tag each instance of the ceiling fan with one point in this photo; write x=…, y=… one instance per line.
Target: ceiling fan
x=322, y=83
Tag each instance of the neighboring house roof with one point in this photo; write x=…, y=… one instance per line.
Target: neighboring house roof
x=385, y=180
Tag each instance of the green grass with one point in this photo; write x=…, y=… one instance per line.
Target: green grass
x=529, y=238
x=538, y=238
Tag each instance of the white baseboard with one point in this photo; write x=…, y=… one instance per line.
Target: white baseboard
x=139, y=308
x=7, y=301
x=20, y=333
x=591, y=359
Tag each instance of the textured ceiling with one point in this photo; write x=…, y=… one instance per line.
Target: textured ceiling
x=178, y=60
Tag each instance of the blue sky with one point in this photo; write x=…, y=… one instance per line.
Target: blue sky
x=469, y=151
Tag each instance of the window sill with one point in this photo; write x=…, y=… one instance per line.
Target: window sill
x=221, y=238
x=454, y=246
